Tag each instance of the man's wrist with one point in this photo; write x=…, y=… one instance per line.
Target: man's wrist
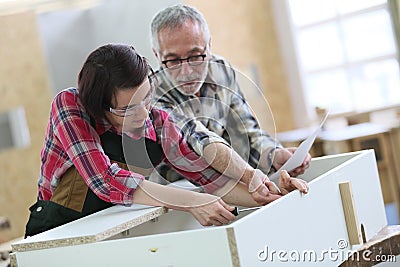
x=256, y=181
x=247, y=176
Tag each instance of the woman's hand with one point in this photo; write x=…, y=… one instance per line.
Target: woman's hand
x=215, y=212
x=207, y=209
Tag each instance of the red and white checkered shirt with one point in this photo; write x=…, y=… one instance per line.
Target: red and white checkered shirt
x=71, y=140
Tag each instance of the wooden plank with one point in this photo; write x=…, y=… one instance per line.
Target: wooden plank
x=350, y=214
x=13, y=260
x=233, y=247
x=395, y=145
x=381, y=248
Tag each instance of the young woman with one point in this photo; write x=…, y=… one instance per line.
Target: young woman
x=103, y=139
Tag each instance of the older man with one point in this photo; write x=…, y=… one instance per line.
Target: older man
x=202, y=91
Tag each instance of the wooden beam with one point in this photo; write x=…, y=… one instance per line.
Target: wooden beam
x=384, y=246
x=350, y=213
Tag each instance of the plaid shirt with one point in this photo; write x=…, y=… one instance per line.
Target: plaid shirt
x=220, y=111
x=71, y=140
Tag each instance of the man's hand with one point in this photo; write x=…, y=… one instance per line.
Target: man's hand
x=262, y=190
x=283, y=154
x=288, y=184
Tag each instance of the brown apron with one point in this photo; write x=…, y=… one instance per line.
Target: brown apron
x=142, y=155
x=73, y=199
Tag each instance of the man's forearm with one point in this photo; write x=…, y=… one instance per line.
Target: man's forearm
x=225, y=160
x=236, y=193
x=266, y=158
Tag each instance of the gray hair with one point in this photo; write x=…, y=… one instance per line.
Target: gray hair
x=173, y=17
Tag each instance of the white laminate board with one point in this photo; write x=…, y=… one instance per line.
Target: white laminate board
x=310, y=224
x=98, y=226
x=322, y=166
x=197, y=249
x=95, y=227
x=296, y=223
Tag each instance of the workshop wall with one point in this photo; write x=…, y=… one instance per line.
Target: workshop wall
x=23, y=83
x=41, y=55
x=244, y=33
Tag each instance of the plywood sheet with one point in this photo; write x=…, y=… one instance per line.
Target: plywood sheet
x=23, y=83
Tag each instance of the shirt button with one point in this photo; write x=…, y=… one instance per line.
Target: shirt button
x=39, y=209
x=107, y=180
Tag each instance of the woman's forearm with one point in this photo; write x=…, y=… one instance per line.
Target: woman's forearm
x=153, y=194
x=206, y=209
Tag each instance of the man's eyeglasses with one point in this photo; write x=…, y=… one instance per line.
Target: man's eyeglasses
x=195, y=60
x=133, y=109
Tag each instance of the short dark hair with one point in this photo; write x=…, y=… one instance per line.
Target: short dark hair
x=107, y=69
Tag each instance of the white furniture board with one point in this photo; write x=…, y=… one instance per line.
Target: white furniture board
x=92, y=228
x=295, y=222
x=310, y=225
x=173, y=249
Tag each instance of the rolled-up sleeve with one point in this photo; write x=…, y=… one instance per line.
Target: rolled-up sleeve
x=184, y=159
x=79, y=142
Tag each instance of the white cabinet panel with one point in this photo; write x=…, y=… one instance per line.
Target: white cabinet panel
x=297, y=229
